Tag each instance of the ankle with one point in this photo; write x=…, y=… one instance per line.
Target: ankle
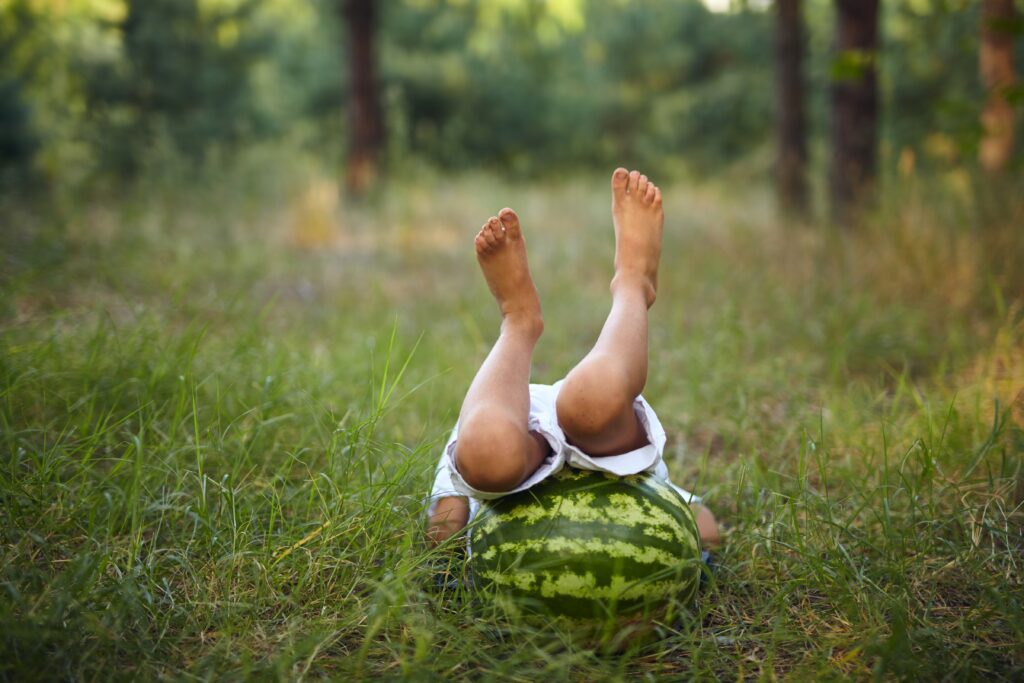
x=630, y=284
x=522, y=323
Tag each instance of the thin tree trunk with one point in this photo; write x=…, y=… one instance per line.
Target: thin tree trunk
x=996, y=65
x=366, y=129
x=854, y=108
x=792, y=160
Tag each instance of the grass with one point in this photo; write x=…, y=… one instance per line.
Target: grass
x=220, y=411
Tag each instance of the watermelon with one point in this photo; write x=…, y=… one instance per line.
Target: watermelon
x=588, y=545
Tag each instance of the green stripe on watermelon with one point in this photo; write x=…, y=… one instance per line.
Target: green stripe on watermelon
x=596, y=548
x=568, y=593
x=602, y=573
x=584, y=584
x=589, y=530
x=589, y=506
x=646, y=536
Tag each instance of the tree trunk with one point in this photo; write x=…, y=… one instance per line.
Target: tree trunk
x=366, y=129
x=996, y=64
x=792, y=160
x=854, y=107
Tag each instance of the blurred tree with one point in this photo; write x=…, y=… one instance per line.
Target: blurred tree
x=854, y=107
x=366, y=126
x=997, y=75
x=792, y=154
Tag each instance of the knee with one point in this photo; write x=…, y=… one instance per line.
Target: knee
x=586, y=410
x=491, y=457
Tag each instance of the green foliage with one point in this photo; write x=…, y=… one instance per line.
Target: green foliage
x=591, y=98
x=936, y=79
x=184, y=75
x=18, y=142
x=524, y=86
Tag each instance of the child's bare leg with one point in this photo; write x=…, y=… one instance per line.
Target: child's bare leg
x=450, y=515
x=495, y=452
x=707, y=526
x=595, y=404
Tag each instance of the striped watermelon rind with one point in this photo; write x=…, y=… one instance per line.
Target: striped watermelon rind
x=584, y=544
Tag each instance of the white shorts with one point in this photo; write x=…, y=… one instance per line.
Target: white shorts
x=544, y=420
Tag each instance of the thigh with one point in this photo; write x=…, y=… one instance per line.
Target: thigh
x=621, y=435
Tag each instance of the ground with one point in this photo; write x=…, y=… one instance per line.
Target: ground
x=221, y=408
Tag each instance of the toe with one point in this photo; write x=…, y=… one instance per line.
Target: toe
x=510, y=220
x=657, y=196
x=620, y=179
x=649, y=194
x=488, y=233
x=634, y=181
x=480, y=242
x=497, y=229
x=641, y=186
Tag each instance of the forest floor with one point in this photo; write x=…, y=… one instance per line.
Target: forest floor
x=220, y=411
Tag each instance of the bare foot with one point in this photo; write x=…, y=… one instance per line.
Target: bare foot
x=638, y=218
x=501, y=252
